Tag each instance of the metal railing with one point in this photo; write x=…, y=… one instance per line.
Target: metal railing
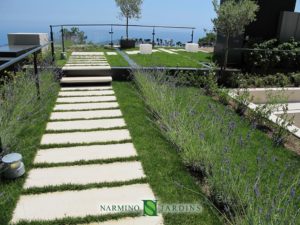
x=35, y=53
x=111, y=32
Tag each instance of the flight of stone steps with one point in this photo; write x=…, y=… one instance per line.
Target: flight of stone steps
x=86, y=68
x=86, y=160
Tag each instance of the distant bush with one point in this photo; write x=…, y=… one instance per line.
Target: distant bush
x=272, y=55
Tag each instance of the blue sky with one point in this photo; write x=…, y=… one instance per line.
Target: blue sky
x=36, y=15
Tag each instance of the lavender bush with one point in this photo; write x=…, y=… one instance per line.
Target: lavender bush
x=249, y=179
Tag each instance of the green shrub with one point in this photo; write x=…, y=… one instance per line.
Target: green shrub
x=273, y=55
x=296, y=79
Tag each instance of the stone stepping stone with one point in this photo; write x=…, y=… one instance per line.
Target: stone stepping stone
x=143, y=220
x=111, y=53
x=85, y=114
x=85, y=153
x=85, y=124
x=86, y=99
x=87, y=53
x=168, y=51
x=132, y=52
x=86, y=106
x=86, y=93
x=86, y=64
x=84, y=174
x=76, y=80
x=86, y=137
x=59, y=205
x=104, y=67
x=100, y=88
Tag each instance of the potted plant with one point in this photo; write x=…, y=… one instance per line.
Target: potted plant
x=130, y=9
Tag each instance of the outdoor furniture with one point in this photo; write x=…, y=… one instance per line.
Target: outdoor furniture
x=145, y=49
x=191, y=47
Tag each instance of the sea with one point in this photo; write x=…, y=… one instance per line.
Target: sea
x=101, y=35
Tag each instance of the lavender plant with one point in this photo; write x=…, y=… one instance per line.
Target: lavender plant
x=249, y=178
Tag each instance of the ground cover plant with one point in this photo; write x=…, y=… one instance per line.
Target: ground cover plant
x=23, y=118
x=163, y=59
x=244, y=174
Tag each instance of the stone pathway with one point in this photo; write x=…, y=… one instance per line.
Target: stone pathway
x=85, y=128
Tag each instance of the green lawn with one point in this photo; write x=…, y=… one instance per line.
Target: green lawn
x=160, y=160
x=114, y=61
x=163, y=59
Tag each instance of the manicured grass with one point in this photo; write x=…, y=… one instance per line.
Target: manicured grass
x=245, y=174
x=28, y=120
x=162, y=165
x=163, y=59
x=113, y=60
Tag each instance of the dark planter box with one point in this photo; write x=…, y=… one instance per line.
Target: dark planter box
x=127, y=43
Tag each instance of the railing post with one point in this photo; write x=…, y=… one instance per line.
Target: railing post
x=37, y=80
x=52, y=44
x=111, y=36
x=192, y=35
x=153, y=37
x=62, y=39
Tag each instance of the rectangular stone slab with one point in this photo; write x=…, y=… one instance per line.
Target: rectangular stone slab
x=168, y=51
x=86, y=137
x=59, y=205
x=86, y=64
x=86, y=106
x=85, y=153
x=85, y=93
x=85, y=124
x=86, y=88
x=87, y=53
x=86, y=99
x=85, y=114
x=84, y=174
x=111, y=53
x=77, y=80
x=105, y=67
x=142, y=220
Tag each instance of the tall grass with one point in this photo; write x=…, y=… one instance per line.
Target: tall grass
x=23, y=118
x=249, y=179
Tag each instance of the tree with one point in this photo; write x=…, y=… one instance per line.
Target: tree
x=130, y=9
x=232, y=18
x=209, y=39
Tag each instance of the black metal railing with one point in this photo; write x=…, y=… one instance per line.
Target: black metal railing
x=111, y=32
x=35, y=53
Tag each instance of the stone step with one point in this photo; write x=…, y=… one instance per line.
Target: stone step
x=84, y=174
x=86, y=88
x=86, y=106
x=85, y=124
x=86, y=99
x=74, y=80
x=142, y=220
x=85, y=153
x=86, y=137
x=65, y=93
x=86, y=64
x=85, y=114
x=87, y=53
x=86, y=68
x=79, y=204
